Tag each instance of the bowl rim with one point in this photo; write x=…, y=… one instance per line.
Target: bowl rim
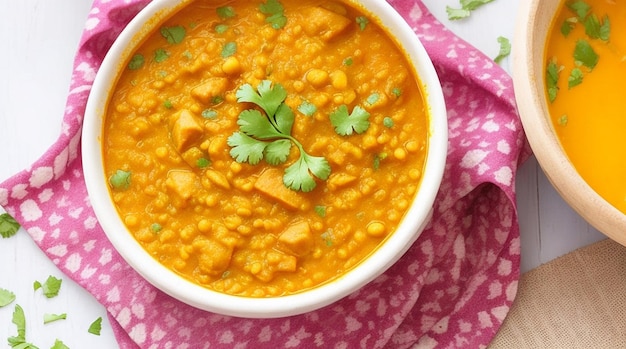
x=531, y=100
x=200, y=297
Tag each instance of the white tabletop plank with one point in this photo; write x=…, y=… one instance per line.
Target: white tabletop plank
x=40, y=38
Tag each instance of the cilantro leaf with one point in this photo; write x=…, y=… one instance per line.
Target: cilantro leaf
x=575, y=78
x=48, y=318
x=307, y=108
x=19, y=341
x=596, y=29
x=6, y=297
x=160, y=55
x=174, y=35
x=50, y=287
x=59, y=345
x=284, y=119
x=277, y=151
x=567, y=27
x=95, y=327
x=225, y=12
x=229, y=49
x=136, y=62
x=254, y=124
x=585, y=55
x=245, y=148
x=345, y=123
x=120, y=180
x=298, y=175
x=8, y=225
x=552, y=78
x=580, y=8
x=268, y=97
x=274, y=12
x=362, y=21
x=505, y=49
x=467, y=6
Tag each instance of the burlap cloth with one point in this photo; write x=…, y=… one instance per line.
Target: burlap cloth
x=575, y=301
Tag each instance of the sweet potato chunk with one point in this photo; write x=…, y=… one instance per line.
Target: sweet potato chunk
x=209, y=89
x=185, y=130
x=214, y=257
x=324, y=23
x=270, y=183
x=296, y=239
x=182, y=183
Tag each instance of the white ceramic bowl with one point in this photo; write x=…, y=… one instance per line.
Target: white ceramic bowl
x=532, y=28
x=169, y=282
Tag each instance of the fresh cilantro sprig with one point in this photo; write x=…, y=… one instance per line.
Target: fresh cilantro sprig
x=467, y=6
x=8, y=225
x=268, y=136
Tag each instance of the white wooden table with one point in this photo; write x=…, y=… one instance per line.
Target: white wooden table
x=39, y=39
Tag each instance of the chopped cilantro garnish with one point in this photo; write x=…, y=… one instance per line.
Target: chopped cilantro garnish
x=168, y=104
x=203, y=162
x=373, y=98
x=307, y=108
x=274, y=13
x=19, y=341
x=388, y=122
x=348, y=61
x=217, y=100
x=596, y=29
x=229, y=49
x=95, y=327
x=48, y=318
x=567, y=26
x=575, y=78
x=563, y=120
x=225, y=12
x=320, y=210
x=120, y=180
x=346, y=123
x=505, y=49
x=221, y=28
x=585, y=55
x=269, y=136
x=50, y=287
x=174, y=35
x=8, y=225
x=552, y=78
x=6, y=297
x=378, y=158
x=362, y=21
x=209, y=114
x=327, y=236
x=580, y=8
x=467, y=6
x=187, y=55
x=136, y=62
x=59, y=345
x=156, y=227
x=161, y=55
x=397, y=92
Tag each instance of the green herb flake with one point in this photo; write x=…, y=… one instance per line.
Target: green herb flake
x=378, y=158
x=156, y=227
x=6, y=297
x=552, y=78
x=388, y=122
x=397, y=92
x=8, y=226
x=59, y=345
x=48, y=318
x=209, y=113
x=320, y=210
x=596, y=29
x=120, y=180
x=269, y=136
x=221, y=28
x=580, y=8
x=567, y=26
x=19, y=341
x=229, y=49
x=505, y=49
x=373, y=98
x=307, y=108
x=362, y=22
x=225, y=12
x=95, y=327
x=161, y=55
x=575, y=78
x=563, y=120
x=50, y=287
x=217, y=100
x=346, y=123
x=203, y=163
x=585, y=55
x=348, y=61
x=168, y=104
x=174, y=35
x=274, y=13
x=136, y=62
x=467, y=6
x=187, y=55
x=327, y=236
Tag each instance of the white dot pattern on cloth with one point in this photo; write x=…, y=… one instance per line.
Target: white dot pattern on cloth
x=452, y=289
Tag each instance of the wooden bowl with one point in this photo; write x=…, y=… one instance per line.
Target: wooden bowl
x=533, y=25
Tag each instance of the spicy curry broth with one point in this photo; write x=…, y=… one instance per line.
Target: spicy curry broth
x=589, y=117
x=235, y=227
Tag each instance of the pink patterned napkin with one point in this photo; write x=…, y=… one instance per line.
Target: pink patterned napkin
x=453, y=288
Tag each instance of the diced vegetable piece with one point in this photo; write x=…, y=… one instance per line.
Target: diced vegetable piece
x=209, y=89
x=270, y=183
x=339, y=180
x=185, y=130
x=192, y=155
x=218, y=179
x=324, y=23
x=296, y=239
x=214, y=257
x=183, y=183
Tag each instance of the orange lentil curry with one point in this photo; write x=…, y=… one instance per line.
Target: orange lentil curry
x=585, y=57
x=262, y=148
